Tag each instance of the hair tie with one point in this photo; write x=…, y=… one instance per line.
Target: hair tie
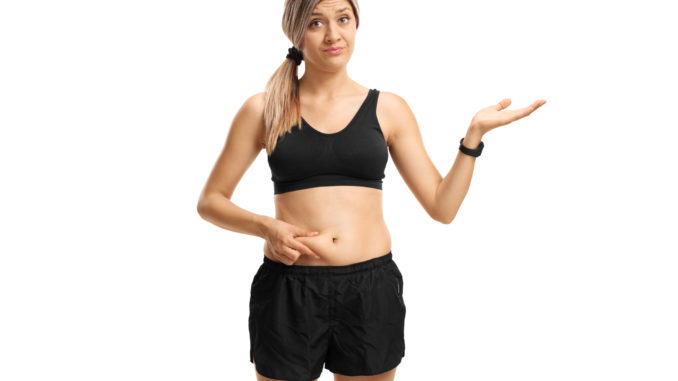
x=295, y=54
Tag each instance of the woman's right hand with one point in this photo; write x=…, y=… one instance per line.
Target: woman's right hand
x=282, y=242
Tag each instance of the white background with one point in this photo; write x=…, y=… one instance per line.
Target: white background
x=560, y=265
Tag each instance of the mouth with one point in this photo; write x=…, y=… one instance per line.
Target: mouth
x=334, y=50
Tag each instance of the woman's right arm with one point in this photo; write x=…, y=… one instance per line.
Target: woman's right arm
x=243, y=144
x=244, y=141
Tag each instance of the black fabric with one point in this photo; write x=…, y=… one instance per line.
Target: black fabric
x=349, y=319
x=356, y=155
x=295, y=54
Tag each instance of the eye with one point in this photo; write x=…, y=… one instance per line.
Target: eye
x=312, y=24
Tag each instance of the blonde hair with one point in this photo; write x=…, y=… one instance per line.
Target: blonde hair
x=282, y=109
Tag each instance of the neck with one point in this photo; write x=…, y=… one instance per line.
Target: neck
x=326, y=84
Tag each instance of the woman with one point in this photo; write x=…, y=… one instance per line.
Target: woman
x=328, y=292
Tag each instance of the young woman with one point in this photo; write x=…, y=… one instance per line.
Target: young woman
x=328, y=293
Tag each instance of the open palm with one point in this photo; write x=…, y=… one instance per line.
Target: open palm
x=494, y=116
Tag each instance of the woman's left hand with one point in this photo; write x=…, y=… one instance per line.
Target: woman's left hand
x=492, y=117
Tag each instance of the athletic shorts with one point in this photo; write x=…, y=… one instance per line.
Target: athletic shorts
x=351, y=319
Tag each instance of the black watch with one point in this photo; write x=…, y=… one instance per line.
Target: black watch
x=471, y=152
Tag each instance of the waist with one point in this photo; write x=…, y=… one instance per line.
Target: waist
x=349, y=220
x=342, y=245
x=364, y=265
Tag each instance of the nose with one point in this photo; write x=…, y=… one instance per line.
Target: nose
x=332, y=33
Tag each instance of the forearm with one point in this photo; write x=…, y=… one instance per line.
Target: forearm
x=454, y=186
x=222, y=212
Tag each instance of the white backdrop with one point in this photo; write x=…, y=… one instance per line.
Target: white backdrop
x=560, y=265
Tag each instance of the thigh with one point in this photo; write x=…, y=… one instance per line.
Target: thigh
x=368, y=325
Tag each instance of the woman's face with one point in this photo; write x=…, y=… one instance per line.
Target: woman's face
x=332, y=24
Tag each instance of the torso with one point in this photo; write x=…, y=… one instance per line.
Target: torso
x=349, y=219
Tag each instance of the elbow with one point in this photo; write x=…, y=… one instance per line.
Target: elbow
x=445, y=221
x=207, y=204
x=203, y=207
x=201, y=210
x=444, y=218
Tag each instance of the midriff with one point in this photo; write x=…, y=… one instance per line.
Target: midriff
x=349, y=220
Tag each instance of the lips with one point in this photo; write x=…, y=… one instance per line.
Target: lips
x=334, y=49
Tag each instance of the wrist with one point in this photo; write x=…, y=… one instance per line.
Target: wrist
x=263, y=224
x=473, y=137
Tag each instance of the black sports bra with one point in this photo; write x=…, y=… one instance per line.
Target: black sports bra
x=356, y=155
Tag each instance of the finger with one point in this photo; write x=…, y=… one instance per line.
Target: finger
x=305, y=234
x=503, y=104
x=303, y=249
x=514, y=115
x=284, y=256
x=535, y=105
x=294, y=254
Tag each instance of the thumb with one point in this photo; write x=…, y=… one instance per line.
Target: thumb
x=503, y=104
x=305, y=233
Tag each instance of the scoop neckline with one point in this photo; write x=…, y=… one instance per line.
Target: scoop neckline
x=355, y=116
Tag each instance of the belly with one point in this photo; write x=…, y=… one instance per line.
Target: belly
x=349, y=221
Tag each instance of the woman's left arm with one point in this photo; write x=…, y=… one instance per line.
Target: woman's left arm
x=440, y=197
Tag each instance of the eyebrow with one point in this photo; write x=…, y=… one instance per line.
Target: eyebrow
x=337, y=11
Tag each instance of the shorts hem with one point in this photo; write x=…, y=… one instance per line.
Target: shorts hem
x=278, y=377
x=266, y=375
x=353, y=373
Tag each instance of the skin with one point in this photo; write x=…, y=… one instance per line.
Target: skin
x=348, y=219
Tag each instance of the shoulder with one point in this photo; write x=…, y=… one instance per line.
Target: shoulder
x=391, y=102
x=255, y=103
x=393, y=113
x=251, y=116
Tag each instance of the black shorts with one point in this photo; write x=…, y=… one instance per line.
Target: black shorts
x=351, y=319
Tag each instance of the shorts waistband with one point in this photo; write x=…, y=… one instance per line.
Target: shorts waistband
x=354, y=267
